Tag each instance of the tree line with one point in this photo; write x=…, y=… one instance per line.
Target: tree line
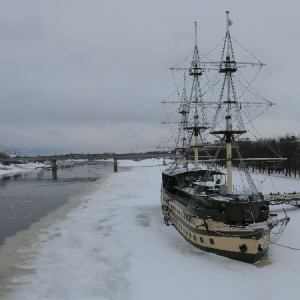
x=286, y=147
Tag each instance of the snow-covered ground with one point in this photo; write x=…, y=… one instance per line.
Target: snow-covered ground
x=112, y=244
x=19, y=168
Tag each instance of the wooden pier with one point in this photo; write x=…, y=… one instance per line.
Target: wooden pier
x=288, y=198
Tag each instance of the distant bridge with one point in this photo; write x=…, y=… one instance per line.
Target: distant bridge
x=90, y=157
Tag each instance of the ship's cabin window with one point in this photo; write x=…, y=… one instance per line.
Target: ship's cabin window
x=194, y=238
x=212, y=191
x=211, y=178
x=211, y=241
x=201, y=239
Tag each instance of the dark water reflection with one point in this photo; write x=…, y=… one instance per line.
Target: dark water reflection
x=26, y=197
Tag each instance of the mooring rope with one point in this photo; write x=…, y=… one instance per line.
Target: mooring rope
x=288, y=247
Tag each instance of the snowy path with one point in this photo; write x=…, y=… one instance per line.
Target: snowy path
x=114, y=245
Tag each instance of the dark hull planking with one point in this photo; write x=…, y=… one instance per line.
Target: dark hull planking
x=243, y=244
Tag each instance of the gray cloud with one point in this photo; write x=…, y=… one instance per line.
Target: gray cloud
x=88, y=76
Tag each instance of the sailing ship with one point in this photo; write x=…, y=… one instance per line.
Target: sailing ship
x=197, y=194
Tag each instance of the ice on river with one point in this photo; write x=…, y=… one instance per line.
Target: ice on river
x=114, y=245
x=19, y=168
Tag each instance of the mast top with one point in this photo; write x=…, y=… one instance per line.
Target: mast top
x=195, y=33
x=228, y=21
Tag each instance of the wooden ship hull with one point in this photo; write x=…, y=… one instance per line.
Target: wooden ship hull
x=225, y=225
x=247, y=244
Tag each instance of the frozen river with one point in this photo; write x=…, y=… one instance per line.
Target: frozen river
x=26, y=197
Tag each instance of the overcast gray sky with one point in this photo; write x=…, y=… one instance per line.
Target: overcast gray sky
x=88, y=76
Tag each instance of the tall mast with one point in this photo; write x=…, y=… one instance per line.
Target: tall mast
x=228, y=67
x=189, y=108
x=196, y=72
x=184, y=111
x=228, y=73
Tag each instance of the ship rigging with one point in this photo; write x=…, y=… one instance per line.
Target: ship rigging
x=197, y=193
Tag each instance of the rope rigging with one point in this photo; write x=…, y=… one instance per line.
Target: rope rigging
x=196, y=197
x=246, y=171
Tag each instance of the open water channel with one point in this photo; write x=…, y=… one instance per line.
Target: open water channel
x=26, y=198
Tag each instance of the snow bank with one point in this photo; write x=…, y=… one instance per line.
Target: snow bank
x=141, y=163
x=19, y=168
x=114, y=245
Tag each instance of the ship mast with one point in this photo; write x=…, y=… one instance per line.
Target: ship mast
x=196, y=71
x=191, y=108
x=228, y=66
x=184, y=111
